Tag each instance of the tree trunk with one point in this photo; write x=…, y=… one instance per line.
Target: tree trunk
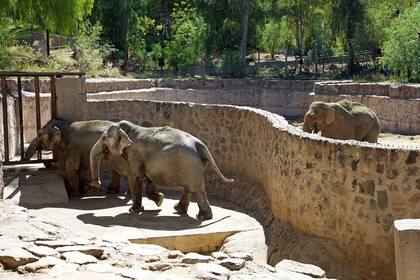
x=286, y=69
x=245, y=17
x=47, y=40
x=126, y=54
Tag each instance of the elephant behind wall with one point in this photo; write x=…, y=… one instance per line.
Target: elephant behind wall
x=342, y=120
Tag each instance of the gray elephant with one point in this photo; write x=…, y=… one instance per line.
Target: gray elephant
x=167, y=156
x=72, y=142
x=342, y=120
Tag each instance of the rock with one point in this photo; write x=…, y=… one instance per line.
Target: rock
x=173, y=254
x=242, y=255
x=99, y=267
x=63, y=268
x=259, y=276
x=159, y=266
x=81, y=240
x=43, y=251
x=247, y=241
x=143, y=249
x=45, y=262
x=14, y=257
x=152, y=259
x=211, y=271
x=290, y=275
x=193, y=258
x=86, y=249
x=307, y=269
x=31, y=190
x=54, y=243
x=219, y=255
x=79, y=258
x=232, y=264
x=135, y=273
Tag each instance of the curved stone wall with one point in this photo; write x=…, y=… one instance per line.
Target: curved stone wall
x=342, y=191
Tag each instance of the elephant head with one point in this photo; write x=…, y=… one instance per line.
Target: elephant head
x=112, y=142
x=47, y=138
x=319, y=116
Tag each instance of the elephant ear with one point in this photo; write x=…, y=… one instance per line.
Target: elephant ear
x=56, y=135
x=329, y=115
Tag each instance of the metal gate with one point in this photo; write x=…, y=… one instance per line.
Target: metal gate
x=17, y=76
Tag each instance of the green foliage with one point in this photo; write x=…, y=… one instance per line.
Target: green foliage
x=321, y=43
x=90, y=51
x=401, y=52
x=231, y=65
x=7, y=39
x=57, y=16
x=278, y=36
x=137, y=38
x=186, y=44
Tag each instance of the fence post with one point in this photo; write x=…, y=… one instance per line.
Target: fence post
x=71, y=98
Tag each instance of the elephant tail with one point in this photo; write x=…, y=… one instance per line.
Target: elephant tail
x=205, y=154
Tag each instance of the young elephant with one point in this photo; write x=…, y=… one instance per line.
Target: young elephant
x=342, y=120
x=167, y=156
x=73, y=142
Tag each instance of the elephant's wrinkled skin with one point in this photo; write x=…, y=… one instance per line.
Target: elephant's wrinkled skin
x=342, y=120
x=73, y=142
x=167, y=156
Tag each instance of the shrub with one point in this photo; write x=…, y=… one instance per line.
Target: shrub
x=231, y=65
x=401, y=51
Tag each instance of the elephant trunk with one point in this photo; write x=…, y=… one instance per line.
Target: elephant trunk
x=96, y=155
x=308, y=124
x=33, y=147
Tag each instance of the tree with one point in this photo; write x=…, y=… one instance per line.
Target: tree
x=321, y=43
x=401, y=50
x=278, y=36
x=186, y=44
x=53, y=16
x=348, y=17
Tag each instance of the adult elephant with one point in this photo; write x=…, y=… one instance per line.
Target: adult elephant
x=167, y=156
x=342, y=120
x=73, y=142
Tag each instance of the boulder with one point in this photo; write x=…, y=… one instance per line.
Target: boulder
x=193, y=258
x=307, y=269
x=14, y=257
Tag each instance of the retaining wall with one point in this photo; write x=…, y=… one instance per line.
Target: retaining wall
x=340, y=190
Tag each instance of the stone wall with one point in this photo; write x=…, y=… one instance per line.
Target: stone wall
x=288, y=98
x=397, y=106
x=343, y=191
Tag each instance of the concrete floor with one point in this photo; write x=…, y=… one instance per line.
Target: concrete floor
x=107, y=217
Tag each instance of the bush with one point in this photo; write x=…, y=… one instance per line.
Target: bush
x=401, y=51
x=231, y=65
x=89, y=51
x=7, y=39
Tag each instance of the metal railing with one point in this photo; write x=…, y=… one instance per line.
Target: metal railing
x=4, y=76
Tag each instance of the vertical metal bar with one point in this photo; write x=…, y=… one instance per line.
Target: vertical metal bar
x=53, y=98
x=37, y=110
x=5, y=120
x=20, y=101
x=53, y=108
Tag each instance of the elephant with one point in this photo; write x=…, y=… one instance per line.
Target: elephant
x=166, y=156
x=72, y=142
x=342, y=120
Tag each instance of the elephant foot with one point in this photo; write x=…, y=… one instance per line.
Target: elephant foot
x=204, y=215
x=159, y=199
x=133, y=209
x=180, y=208
x=75, y=193
x=112, y=191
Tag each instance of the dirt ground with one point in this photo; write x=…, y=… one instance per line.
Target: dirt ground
x=405, y=141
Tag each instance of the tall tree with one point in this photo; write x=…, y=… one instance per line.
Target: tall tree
x=244, y=27
x=348, y=17
x=53, y=16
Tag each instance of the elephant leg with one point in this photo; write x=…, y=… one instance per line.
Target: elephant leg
x=136, y=196
x=184, y=202
x=151, y=193
x=73, y=178
x=205, y=212
x=115, y=183
x=372, y=136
